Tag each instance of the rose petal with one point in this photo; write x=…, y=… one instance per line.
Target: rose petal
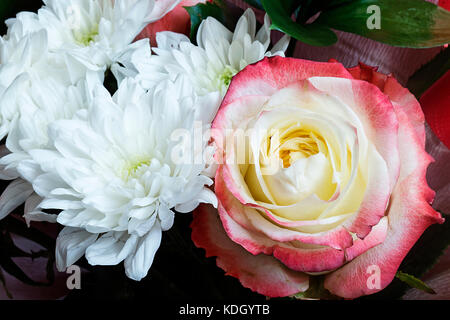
x=398, y=94
x=408, y=216
x=260, y=273
x=270, y=74
x=252, y=219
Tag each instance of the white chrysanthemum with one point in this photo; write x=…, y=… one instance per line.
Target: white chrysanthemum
x=38, y=102
x=94, y=32
x=113, y=172
x=220, y=54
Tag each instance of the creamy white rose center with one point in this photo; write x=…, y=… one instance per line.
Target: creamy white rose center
x=304, y=156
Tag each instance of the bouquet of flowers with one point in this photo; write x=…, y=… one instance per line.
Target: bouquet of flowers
x=126, y=120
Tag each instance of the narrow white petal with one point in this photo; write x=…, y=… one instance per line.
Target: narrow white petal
x=71, y=245
x=138, y=264
x=281, y=46
x=111, y=249
x=14, y=195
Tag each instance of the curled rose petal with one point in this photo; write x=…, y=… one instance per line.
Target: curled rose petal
x=409, y=215
x=260, y=273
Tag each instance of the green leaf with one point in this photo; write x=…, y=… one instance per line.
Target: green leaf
x=404, y=23
x=414, y=282
x=280, y=13
x=429, y=73
x=309, y=8
x=255, y=3
x=200, y=12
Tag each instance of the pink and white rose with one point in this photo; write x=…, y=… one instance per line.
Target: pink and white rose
x=330, y=178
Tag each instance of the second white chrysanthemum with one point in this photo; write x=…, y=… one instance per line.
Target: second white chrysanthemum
x=218, y=56
x=112, y=170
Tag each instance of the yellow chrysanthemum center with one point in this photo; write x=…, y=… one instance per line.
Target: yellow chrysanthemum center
x=133, y=168
x=227, y=74
x=85, y=37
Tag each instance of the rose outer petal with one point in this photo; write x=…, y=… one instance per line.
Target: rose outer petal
x=398, y=94
x=269, y=75
x=410, y=214
x=261, y=273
